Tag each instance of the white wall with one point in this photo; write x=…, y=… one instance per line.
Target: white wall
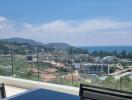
x=28, y=84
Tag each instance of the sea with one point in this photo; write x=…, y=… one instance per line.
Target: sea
x=108, y=48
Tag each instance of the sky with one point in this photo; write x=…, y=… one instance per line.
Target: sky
x=76, y=22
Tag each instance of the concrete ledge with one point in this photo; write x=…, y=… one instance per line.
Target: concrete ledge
x=10, y=91
x=28, y=84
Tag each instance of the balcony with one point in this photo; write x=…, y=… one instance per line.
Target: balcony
x=10, y=90
x=15, y=86
x=60, y=71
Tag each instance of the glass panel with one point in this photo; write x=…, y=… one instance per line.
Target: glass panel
x=5, y=60
x=52, y=65
x=68, y=43
x=25, y=63
x=126, y=79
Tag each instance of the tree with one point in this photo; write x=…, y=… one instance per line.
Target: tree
x=110, y=82
x=115, y=53
x=74, y=50
x=129, y=55
x=95, y=53
x=124, y=53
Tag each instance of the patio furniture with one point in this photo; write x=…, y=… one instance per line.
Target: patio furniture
x=88, y=92
x=2, y=91
x=43, y=94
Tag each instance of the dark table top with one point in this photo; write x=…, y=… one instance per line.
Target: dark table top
x=43, y=94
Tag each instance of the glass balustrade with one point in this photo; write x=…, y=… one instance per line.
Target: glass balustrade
x=64, y=68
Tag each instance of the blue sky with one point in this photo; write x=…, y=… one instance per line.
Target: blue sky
x=77, y=22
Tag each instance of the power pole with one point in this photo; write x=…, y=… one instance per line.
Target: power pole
x=72, y=66
x=38, y=62
x=12, y=60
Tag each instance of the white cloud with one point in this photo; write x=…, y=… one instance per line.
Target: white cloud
x=2, y=19
x=77, y=32
x=61, y=26
x=5, y=26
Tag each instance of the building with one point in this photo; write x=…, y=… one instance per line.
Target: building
x=47, y=77
x=110, y=59
x=97, y=59
x=73, y=76
x=5, y=57
x=31, y=58
x=95, y=68
x=50, y=70
x=77, y=65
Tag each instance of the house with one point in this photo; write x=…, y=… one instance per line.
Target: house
x=31, y=58
x=77, y=65
x=50, y=70
x=5, y=57
x=97, y=59
x=73, y=76
x=110, y=59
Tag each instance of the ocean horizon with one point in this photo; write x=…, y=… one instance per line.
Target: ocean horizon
x=107, y=48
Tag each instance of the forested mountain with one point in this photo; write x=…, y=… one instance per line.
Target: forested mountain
x=22, y=41
x=20, y=46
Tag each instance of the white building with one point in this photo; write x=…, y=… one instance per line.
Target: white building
x=95, y=68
